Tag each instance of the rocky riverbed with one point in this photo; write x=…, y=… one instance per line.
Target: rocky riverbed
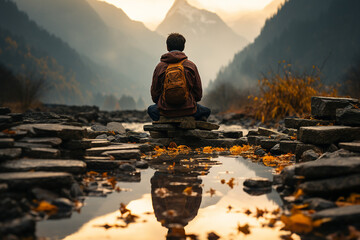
x=51, y=159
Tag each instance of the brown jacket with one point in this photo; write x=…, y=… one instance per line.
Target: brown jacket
x=193, y=79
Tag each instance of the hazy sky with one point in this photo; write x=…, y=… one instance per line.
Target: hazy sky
x=152, y=12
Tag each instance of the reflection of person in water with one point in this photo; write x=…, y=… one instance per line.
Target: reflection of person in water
x=172, y=207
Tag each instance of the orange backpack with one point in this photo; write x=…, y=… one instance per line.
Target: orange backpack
x=175, y=90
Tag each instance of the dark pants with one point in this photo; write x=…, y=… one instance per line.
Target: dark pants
x=202, y=113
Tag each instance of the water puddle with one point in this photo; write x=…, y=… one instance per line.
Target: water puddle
x=171, y=204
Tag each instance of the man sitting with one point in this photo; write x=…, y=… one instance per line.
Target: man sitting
x=176, y=84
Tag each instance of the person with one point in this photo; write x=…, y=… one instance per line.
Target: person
x=175, y=46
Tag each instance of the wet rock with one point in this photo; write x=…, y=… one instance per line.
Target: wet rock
x=342, y=215
x=323, y=168
x=10, y=153
x=319, y=204
x=268, y=143
x=348, y=117
x=142, y=164
x=260, y=152
x=97, y=151
x=353, y=146
x=99, y=128
x=26, y=180
x=124, y=154
x=296, y=123
x=127, y=167
x=325, y=107
x=288, y=175
x=309, y=155
x=115, y=127
x=287, y=146
x=18, y=226
x=9, y=209
x=110, y=138
x=301, y=148
x=63, y=204
x=22, y=165
x=257, y=191
x=257, y=183
x=276, y=149
x=102, y=164
x=54, y=141
x=328, y=134
x=330, y=186
x=76, y=191
x=4, y=110
x=43, y=194
x=6, y=142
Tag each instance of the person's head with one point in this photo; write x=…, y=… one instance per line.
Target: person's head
x=175, y=41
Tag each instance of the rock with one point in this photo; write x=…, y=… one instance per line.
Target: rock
x=255, y=140
x=97, y=151
x=288, y=175
x=99, y=143
x=16, y=134
x=325, y=107
x=324, y=168
x=340, y=153
x=10, y=153
x=207, y=126
x=201, y=134
x=159, y=127
x=42, y=153
x=332, y=148
x=9, y=209
x=301, y=148
x=99, y=128
x=63, y=204
x=233, y=134
x=126, y=167
x=309, y=155
x=268, y=143
x=3, y=187
x=23, y=165
x=268, y=132
x=260, y=152
x=142, y=164
x=110, y=138
x=43, y=194
x=275, y=149
x=348, y=117
x=102, y=136
x=28, y=146
x=158, y=134
x=340, y=216
x=144, y=148
x=76, y=191
x=353, y=146
x=5, y=119
x=291, y=132
x=257, y=191
x=18, y=226
x=297, y=123
x=287, y=146
x=16, y=117
x=331, y=186
x=26, y=180
x=116, y=127
x=54, y=141
x=78, y=144
x=328, y=134
x=4, y=110
x=6, y=142
x=103, y=164
x=124, y=154
x=64, y=132
x=188, y=125
x=257, y=183
x=319, y=204
x=174, y=120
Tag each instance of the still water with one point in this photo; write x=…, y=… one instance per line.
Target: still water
x=211, y=206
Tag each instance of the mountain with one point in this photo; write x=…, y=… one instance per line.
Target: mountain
x=305, y=33
x=249, y=24
x=28, y=49
x=210, y=42
x=76, y=22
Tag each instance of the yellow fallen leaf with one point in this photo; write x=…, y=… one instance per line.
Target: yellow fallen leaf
x=188, y=191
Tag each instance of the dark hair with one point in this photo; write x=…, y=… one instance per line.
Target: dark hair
x=175, y=41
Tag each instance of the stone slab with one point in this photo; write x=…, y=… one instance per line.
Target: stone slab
x=328, y=134
x=328, y=167
x=53, y=141
x=158, y=134
x=301, y=148
x=174, y=120
x=268, y=132
x=124, y=154
x=26, y=180
x=352, y=146
x=103, y=164
x=4, y=110
x=99, y=150
x=42, y=153
x=348, y=117
x=5, y=119
x=257, y=183
x=325, y=107
x=10, y=153
x=287, y=146
x=47, y=165
x=160, y=127
x=207, y=126
x=341, y=215
x=201, y=134
x=296, y=123
x=78, y=144
x=116, y=127
x=188, y=125
x=65, y=132
x=338, y=185
x=16, y=134
x=25, y=145
x=6, y=142
x=233, y=134
x=268, y=143
x=99, y=143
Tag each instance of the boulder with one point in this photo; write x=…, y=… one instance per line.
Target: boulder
x=325, y=107
x=328, y=134
x=348, y=117
x=116, y=127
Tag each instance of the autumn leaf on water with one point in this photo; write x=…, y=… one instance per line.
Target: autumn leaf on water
x=298, y=193
x=188, y=191
x=222, y=181
x=229, y=208
x=259, y=213
x=231, y=183
x=298, y=223
x=211, y=191
x=245, y=229
x=123, y=209
x=112, y=181
x=247, y=212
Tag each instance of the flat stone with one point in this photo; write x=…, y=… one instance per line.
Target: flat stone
x=188, y=125
x=202, y=134
x=99, y=143
x=260, y=152
x=324, y=168
x=103, y=164
x=340, y=153
x=26, y=180
x=328, y=134
x=10, y=153
x=301, y=148
x=16, y=134
x=99, y=128
x=340, y=216
x=142, y=164
x=174, y=120
x=255, y=140
x=288, y=146
x=337, y=185
x=5, y=119
x=325, y=107
x=309, y=155
x=96, y=158
x=6, y=142
x=42, y=153
x=268, y=143
x=257, y=183
x=158, y=134
x=348, y=117
x=64, y=132
x=296, y=123
x=78, y=144
x=353, y=146
x=102, y=137
x=53, y=141
x=275, y=149
x=160, y=127
x=257, y=191
x=4, y=110
x=319, y=204
x=25, y=145
x=47, y=165
x=207, y=126
x=288, y=175
x=233, y=134
x=99, y=150
x=124, y=154
x=268, y=132
x=116, y=127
